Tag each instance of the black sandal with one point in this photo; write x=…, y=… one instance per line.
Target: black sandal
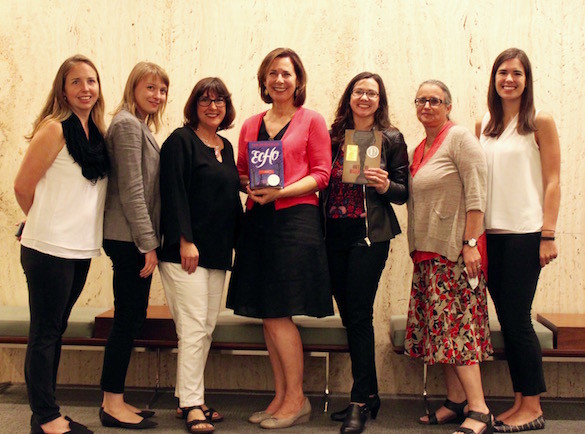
x=210, y=412
x=192, y=425
x=480, y=417
x=182, y=414
x=458, y=417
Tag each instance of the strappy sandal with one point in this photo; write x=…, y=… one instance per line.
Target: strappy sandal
x=457, y=408
x=480, y=417
x=209, y=414
x=195, y=425
x=213, y=415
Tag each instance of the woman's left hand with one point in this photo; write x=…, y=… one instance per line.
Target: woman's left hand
x=548, y=251
x=378, y=178
x=263, y=195
x=472, y=260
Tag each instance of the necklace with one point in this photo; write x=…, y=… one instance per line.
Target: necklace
x=209, y=144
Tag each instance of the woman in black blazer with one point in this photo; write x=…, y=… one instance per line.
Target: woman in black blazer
x=131, y=230
x=359, y=224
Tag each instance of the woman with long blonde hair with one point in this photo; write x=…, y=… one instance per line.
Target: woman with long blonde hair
x=61, y=187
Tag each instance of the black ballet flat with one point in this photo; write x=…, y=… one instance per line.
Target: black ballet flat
x=108, y=420
x=536, y=424
x=144, y=414
x=355, y=419
x=74, y=428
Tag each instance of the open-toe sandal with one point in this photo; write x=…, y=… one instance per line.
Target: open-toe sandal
x=209, y=414
x=457, y=408
x=213, y=415
x=480, y=417
x=197, y=425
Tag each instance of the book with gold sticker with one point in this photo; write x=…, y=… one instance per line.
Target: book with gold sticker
x=362, y=151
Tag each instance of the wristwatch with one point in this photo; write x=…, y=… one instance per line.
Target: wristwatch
x=472, y=242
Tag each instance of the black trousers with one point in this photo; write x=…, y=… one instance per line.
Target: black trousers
x=513, y=271
x=355, y=271
x=54, y=285
x=130, y=302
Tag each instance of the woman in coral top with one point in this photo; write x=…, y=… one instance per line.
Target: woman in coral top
x=280, y=268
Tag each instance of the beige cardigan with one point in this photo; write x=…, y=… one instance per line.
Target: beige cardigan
x=451, y=183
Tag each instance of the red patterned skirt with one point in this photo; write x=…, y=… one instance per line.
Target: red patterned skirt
x=447, y=318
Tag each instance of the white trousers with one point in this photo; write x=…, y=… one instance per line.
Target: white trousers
x=194, y=301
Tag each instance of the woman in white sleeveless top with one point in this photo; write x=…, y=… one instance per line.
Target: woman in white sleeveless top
x=523, y=155
x=61, y=187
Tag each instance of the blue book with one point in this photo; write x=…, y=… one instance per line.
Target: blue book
x=265, y=164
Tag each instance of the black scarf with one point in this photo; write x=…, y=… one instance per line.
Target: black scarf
x=91, y=154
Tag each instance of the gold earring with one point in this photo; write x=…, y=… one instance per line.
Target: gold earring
x=265, y=91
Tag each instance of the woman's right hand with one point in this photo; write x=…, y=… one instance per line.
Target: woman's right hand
x=189, y=256
x=150, y=263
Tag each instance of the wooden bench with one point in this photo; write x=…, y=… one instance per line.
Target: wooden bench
x=233, y=334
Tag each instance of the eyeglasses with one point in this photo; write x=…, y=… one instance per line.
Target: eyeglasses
x=205, y=101
x=358, y=93
x=434, y=102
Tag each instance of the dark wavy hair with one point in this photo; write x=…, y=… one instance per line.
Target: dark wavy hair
x=206, y=86
x=526, y=122
x=300, y=91
x=344, y=115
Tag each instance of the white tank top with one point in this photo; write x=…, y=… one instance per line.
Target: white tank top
x=515, y=192
x=66, y=217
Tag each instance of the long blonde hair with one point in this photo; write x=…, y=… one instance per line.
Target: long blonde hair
x=57, y=108
x=128, y=102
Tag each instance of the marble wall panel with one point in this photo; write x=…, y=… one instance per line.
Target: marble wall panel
x=405, y=41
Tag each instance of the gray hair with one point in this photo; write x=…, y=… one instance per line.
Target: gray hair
x=441, y=85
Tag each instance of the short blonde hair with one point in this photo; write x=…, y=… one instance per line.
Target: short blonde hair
x=141, y=70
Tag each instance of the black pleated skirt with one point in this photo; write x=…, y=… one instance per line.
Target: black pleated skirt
x=280, y=268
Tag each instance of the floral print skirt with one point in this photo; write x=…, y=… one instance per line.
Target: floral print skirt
x=447, y=318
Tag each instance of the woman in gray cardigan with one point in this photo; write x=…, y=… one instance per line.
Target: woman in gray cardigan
x=447, y=318
x=131, y=230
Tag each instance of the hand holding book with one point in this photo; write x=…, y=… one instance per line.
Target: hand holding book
x=263, y=196
x=377, y=178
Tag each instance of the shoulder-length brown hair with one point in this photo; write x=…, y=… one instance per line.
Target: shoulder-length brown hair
x=526, y=122
x=301, y=89
x=128, y=102
x=206, y=86
x=344, y=115
x=57, y=107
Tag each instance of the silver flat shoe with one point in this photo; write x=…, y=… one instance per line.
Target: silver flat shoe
x=259, y=416
x=303, y=416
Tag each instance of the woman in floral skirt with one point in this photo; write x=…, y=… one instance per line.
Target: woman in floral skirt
x=447, y=317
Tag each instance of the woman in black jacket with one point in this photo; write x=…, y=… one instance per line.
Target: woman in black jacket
x=359, y=224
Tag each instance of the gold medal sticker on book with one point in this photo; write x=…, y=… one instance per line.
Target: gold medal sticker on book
x=362, y=151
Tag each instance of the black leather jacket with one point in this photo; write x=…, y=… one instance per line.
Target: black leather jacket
x=381, y=222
